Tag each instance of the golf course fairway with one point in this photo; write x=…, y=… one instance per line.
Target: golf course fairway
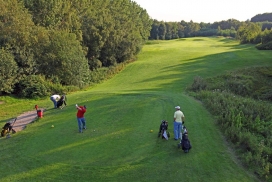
x=117, y=144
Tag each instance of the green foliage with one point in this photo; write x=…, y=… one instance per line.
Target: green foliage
x=36, y=86
x=64, y=59
x=16, y=29
x=245, y=120
x=114, y=31
x=8, y=71
x=15, y=25
x=174, y=30
x=198, y=84
x=205, y=32
x=262, y=17
x=248, y=32
x=65, y=40
x=32, y=86
x=101, y=74
x=227, y=33
x=265, y=46
x=55, y=15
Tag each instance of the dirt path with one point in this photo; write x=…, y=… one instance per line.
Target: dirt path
x=24, y=119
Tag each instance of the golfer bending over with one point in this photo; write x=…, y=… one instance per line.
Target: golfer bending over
x=54, y=99
x=80, y=117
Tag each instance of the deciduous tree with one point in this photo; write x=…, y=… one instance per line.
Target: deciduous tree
x=8, y=71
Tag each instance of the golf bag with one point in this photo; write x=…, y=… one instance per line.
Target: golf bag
x=7, y=128
x=163, y=130
x=61, y=101
x=185, y=143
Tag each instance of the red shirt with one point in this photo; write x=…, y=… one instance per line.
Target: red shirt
x=80, y=112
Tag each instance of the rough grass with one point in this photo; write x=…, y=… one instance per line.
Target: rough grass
x=122, y=111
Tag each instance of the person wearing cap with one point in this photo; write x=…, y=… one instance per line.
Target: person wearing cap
x=54, y=98
x=178, y=119
x=80, y=117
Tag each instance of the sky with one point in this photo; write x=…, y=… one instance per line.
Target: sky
x=207, y=11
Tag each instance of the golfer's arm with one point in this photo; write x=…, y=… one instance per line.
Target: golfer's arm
x=78, y=108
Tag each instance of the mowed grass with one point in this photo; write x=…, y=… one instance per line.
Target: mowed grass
x=118, y=144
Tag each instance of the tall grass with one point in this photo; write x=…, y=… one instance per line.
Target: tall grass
x=241, y=102
x=118, y=144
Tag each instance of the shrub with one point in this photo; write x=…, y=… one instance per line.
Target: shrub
x=35, y=86
x=98, y=75
x=198, y=84
x=32, y=86
x=266, y=46
x=245, y=120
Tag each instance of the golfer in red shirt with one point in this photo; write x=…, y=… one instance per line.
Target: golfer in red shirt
x=80, y=117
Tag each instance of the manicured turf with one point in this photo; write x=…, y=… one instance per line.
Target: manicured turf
x=118, y=144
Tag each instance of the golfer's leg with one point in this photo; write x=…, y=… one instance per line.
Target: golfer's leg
x=79, y=125
x=55, y=103
x=179, y=129
x=83, y=123
x=175, y=130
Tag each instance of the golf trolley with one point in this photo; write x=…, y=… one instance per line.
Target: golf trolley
x=7, y=128
x=185, y=143
x=163, y=130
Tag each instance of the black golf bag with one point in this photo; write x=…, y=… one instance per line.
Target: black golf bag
x=7, y=128
x=185, y=143
x=163, y=130
x=61, y=101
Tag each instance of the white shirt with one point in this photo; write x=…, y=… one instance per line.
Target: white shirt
x=56, y=97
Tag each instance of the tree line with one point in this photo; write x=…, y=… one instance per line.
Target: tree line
x=47, y=44
x=259, y=33
x=172, y=30
x=51, y=46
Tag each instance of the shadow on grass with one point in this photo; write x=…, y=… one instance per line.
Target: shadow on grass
x=239, y=56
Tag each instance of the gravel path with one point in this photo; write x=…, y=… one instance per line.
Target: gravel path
x=25, y=119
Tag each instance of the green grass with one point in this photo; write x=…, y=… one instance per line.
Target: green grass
x=122, y=111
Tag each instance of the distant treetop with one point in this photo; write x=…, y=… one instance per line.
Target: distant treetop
x=262, y=17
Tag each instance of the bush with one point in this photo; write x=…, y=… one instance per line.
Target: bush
x=98, y=75
x=198, y=84
x=245, y=120
x=32, y=86
x=266, y=46
x=35, y=86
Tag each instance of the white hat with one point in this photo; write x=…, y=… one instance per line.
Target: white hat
x=177, y=107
